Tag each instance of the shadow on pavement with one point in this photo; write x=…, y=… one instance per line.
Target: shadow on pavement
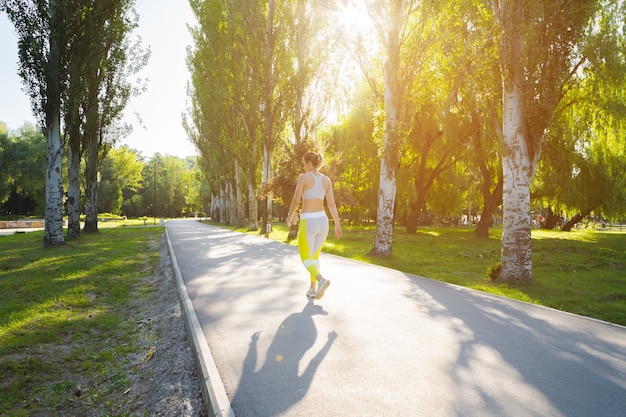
x=556, y=361
x=276, y=386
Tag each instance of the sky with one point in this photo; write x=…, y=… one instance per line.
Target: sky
x=162, y=27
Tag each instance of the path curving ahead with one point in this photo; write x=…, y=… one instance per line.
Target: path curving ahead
x=382, y=342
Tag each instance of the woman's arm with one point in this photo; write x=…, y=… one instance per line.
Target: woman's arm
x=332, y=207
x=295, y=202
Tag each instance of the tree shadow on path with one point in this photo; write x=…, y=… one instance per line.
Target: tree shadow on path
x=276, y=386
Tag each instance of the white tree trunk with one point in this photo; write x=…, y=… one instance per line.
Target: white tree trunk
x=240, y=204
x=232, y=203
x=53, y=234
x=517, y=165
x=517, y=161
x=73, y=193
x=387, y=186
x=266, y=175
x=214, y=212
x=91, y=185
x=222, y=205
x=253, y=206
x=384, y=216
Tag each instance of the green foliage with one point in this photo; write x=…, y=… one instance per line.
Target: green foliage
x=583, y=159
x=353, y=159
x=126, y=180
x=121, y=174
x=23, y=161
x=179, y=188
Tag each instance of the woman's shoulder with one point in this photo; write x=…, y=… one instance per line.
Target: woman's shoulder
x=326, y=180
x=305, y=177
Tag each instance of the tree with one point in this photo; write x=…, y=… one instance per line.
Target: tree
x=582, y=170
x=23, y=161
x=354, y=155
x=317, y=44
x=165, y=189
x=478, y=104
x=107, y=88
x=536, y=46
x=95, y=32
x=224, y=119
x=42, y=36
x=277, y=70
x=5, y=160
x=240, y=90
x=391, y=20
x=121, y=175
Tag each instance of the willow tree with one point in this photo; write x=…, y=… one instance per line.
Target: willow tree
x=537, y=42
x=446, y=49
x=42, y=36
x=479, y=105
x=582, y=168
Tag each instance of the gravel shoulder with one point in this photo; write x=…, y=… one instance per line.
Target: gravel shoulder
x=166, y=382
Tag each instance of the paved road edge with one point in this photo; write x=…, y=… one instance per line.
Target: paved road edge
x=213, y=391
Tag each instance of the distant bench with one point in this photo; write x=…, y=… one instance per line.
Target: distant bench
x=22, y=224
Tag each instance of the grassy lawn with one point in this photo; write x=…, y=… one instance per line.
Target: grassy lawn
x=65, y=330
x=583, y=271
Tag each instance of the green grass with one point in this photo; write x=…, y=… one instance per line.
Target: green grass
x=64, y=321
x=582, y=272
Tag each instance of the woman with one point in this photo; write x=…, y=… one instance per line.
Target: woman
x=312, y=187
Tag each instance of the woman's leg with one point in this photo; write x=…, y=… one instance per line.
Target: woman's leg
x=311, y=236
x=320, y=238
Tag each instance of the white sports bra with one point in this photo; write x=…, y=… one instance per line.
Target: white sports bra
x=317, y=191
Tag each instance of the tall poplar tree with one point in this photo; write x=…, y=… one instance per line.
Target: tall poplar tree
x=241, y=65
x=108, y=88
x=42, y=36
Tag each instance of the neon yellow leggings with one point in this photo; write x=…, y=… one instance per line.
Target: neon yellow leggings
x=312, y=233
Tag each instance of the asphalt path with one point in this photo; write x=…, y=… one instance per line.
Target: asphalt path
x=382, y=342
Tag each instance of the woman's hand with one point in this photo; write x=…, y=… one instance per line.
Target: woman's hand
x=338, y=231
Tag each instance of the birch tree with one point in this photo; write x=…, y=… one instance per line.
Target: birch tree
x=393, y=26
x=536, y=63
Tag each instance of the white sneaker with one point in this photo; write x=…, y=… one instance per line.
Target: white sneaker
x=321, y=287
x=311, y=293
